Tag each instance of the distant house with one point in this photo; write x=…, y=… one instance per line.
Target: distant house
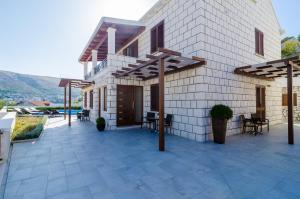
x=40, y=103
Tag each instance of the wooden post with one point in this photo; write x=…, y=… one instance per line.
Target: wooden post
x=161, y=84
x=65, y=102
x=70, y=105
x=99, y=102
x=290, y=103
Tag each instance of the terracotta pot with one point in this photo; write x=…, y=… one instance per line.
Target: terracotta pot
x=219, y=127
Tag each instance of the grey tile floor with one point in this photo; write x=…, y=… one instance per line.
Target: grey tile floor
x=79, y=162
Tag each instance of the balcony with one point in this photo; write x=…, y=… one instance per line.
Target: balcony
x=113, y=62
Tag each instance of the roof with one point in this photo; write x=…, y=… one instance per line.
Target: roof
x=126, y=31
x=147, y=69
x=75, y=83
x=270, y=70
x=40, y=103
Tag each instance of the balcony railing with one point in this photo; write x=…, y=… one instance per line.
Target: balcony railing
x=100, y=66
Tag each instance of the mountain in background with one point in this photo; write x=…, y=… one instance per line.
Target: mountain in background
x=26, y=88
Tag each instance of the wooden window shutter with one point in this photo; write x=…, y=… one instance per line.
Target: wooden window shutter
x=105, y=98
x=256, y=41
x=154, y=97
x=85, y=99
x=91, y=99
x=261, y=43
x=284, y=100
x=295, y=99
x=160, y=35
x=153, y=40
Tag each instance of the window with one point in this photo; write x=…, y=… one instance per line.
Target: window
x=157, y=37
x=285, y=99
x=154, y=95
x=132, y=50
x=91, y=99
x=85, y=99
x=105, y=98
x=259, y=42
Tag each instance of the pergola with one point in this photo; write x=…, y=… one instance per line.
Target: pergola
x=75, y=83
x=164, y=62
x=289, y=68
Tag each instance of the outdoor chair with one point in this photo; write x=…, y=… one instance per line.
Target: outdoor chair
x=260, y=121
x=168, y=122
x=149, y=119
x=248, y=123
x=85, y=115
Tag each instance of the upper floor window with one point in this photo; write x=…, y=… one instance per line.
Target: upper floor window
x=157, y=37
x=259, y=42
x=132, y=50
x=91, y=99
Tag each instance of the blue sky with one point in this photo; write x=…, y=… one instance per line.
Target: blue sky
x=46, y=37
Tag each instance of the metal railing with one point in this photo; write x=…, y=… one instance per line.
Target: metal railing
x=100, y=66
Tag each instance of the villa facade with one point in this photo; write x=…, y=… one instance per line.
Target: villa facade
x=227, y=34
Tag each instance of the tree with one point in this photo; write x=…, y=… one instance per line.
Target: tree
x=299, y=37
x=290, y=48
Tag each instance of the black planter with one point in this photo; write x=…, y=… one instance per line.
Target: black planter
x=100, y=127
x=219, y=127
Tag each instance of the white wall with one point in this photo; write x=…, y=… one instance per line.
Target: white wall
x=222, y=32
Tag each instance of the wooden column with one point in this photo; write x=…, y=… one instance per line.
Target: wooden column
x=65, y=102
x=70, y=104
x=290, y=103
x=99, y=102
x=161, y=84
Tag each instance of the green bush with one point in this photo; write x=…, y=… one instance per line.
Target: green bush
x=100, y=121
x=221, y=112
x=28, y=127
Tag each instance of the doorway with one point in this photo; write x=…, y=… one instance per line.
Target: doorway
x=129, y=105
x=261, y=101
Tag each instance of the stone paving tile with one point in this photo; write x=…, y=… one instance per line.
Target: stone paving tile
x=79, y=162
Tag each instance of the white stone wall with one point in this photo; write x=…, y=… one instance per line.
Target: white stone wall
x=222, y=32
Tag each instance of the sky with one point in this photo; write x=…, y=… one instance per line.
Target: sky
x=46, y=37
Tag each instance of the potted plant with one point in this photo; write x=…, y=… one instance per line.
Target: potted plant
x=100, y=123
x=220, y=114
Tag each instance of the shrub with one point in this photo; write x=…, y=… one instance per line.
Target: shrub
x=100, y=121
x=221, y=112
x=28, y=127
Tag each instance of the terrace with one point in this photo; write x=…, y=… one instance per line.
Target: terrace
x=80, y=162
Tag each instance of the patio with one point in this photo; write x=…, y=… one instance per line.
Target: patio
x=79, y=162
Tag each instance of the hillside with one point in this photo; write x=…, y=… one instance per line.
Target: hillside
x=21, y=87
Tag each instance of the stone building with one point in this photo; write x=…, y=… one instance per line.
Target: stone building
x=227, y=34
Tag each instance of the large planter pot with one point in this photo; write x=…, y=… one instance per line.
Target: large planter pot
x=100, y=127
x=219, y=127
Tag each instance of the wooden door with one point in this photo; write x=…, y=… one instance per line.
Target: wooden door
x=261, y=101
x=125, y=105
